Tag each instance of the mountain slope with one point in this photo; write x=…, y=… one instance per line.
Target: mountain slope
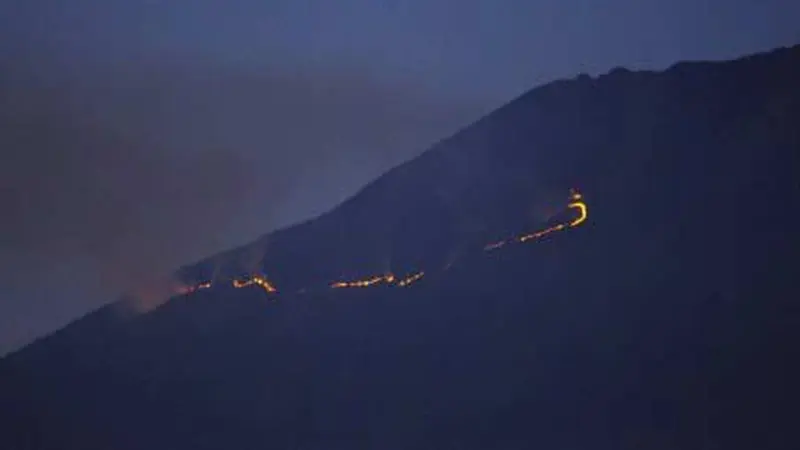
x=666, y=320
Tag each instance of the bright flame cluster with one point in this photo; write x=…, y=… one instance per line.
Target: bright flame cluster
x=389, y=279
x=258, y=281
x=411, y=279
x=576, y=203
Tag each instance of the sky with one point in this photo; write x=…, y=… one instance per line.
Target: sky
x=136, y=136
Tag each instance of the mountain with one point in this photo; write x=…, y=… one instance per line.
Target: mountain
x=667, y=318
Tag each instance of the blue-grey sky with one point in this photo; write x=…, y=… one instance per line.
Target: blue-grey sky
x=139, y=135
x=491, y=50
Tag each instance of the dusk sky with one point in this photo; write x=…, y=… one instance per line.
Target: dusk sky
x=136, y=136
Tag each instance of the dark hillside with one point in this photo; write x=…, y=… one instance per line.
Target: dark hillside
x=669, y=319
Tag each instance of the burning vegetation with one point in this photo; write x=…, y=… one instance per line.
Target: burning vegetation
x=388, y=279
x=258, y=281
x=576, y=203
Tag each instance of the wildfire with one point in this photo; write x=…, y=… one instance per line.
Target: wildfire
x=576, y=203
x=388, y=279
x=258, y=281
x=410, y=279
x=582, y=218
x=183, y=290
x=540, y=234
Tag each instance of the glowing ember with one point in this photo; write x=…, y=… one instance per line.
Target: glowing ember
x=540, y=234
x=241, y=284
x=389, y=278
x=408, y=280
x=182, y=290
x=265, y=284
x=258, y=281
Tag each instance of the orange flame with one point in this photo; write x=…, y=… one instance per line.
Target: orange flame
x=241, y=284
x=264, y=284
x=576, y=203
x=258, y=281
x=583, y=210
x=410, y=279
x=183, y=289
x=389, y=278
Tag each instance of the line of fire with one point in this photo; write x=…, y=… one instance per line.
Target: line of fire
x=575, y=203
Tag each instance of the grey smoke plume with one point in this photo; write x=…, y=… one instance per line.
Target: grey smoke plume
x=110, y=176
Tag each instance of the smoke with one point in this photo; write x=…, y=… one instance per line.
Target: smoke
x=253, y=256
x=152, y=293
x=110, y=176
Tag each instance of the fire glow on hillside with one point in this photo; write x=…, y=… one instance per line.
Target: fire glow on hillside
x=389, y=279
x=576, y=203
x=258, y=281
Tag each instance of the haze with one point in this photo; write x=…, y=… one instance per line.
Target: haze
x=137, y=136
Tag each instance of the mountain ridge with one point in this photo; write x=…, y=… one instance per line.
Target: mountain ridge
x=667, y=320
x=187, y=273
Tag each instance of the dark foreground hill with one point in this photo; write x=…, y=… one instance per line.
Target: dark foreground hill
x=667, y=320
